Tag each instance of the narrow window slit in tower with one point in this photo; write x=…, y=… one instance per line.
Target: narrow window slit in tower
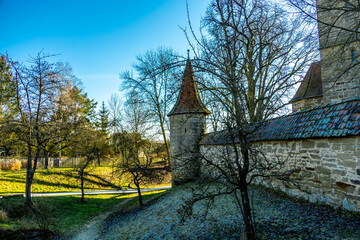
x=353, y=56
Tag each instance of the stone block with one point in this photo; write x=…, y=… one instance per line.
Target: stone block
x=339, y=172
x=330, y=165
x=345, y=187
x=308, y=144
x=315, y=156
x=348, y=147
x=348, y=205
x=344, y=156
x=349, y=163
x=323, y=170
x=322, y=145
x=336, y=146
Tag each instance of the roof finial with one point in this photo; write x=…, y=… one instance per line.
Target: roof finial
x=188, y=52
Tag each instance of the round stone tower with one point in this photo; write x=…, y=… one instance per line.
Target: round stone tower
x=187, y=127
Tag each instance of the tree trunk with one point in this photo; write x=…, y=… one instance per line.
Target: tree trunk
x=166, y=143
x=29, y=176
x=46, y=153
x=247, y=216
x=137, y=184
x=82, y=185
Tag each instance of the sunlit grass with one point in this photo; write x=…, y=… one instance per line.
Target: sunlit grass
x=65, y=180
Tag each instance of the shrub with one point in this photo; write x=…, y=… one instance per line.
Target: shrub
x=12, y=165
x=14, y=207
x=24, y=164
x=3, y=216
x=17, y=165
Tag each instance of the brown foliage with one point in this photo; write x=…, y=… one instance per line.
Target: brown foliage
x=11, y=165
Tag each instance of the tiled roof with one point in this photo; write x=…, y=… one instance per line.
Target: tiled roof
x=311, y=85
x=335, y=120
x=188, y=100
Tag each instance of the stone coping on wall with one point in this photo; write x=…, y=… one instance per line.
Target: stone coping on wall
x=332, y=120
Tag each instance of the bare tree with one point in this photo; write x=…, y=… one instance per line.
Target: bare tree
x=339, y=32
x=255, y=53
x=115, y=116
x=139, y=168
x=36, y=88
x=155, y=82
x=138, y=116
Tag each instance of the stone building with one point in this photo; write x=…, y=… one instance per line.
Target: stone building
x=321, y=138
x=187, y=127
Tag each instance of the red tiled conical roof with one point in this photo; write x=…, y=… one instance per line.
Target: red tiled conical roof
x=188, y=100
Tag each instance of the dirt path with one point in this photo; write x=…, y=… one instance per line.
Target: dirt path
x=90, y=230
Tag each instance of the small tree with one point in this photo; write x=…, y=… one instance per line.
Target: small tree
x=85, y=144
x=90, y=156
x=132, y=145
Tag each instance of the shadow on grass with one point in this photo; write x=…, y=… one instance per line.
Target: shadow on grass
x=99, y=181
x=65, y=213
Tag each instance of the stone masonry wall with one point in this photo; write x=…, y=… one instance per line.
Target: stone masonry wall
x=339, y=50
x=186, y=131
x=329, y=168
x=340, y=73
x=306, y=104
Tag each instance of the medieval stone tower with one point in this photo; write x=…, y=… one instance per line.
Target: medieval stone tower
x=187, y=127
x=339, y=50
x=337, y=76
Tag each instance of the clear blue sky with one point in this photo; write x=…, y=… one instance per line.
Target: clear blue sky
x=99, y=38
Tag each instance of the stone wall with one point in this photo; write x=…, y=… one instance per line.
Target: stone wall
x=186, y=131
x=335, y=13
x=340, y=73
x=306, y=104
x=339, y=50
x=329, y=168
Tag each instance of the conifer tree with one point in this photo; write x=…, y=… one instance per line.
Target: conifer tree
x=104, y=119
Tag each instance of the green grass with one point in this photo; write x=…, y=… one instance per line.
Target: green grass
x=63, y=180
x=66, y=214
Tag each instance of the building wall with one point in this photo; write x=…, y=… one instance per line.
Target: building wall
x=329, y=169
x=186, y=131
x=339, y=50
x=306, y=103
x=340, y=73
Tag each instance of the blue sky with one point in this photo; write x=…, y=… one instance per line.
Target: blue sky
x=100, y=38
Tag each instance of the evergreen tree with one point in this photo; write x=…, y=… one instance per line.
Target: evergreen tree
x=104, y=119
x=7, y=90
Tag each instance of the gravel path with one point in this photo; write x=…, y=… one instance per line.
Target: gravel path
x=277, y=218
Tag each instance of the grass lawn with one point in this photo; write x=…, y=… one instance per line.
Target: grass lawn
x=63, y=180
x=64, y=214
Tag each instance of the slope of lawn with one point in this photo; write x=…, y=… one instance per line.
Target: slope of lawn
x=65, y=179
x=63, y=215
